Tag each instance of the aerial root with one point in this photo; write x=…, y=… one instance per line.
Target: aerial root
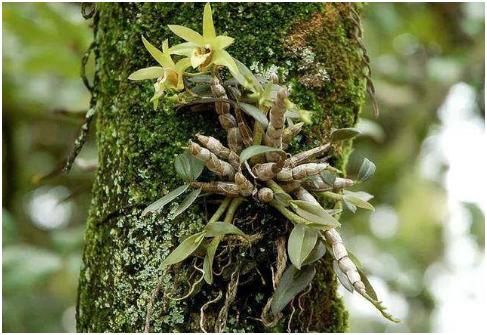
x=229, y=299
x=193, y=287
x=202, y=310
x=289, y=323
x=301, y=308
x=281, y=261
x=153, y=298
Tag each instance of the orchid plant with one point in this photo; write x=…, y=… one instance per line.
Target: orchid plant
x=253, y=165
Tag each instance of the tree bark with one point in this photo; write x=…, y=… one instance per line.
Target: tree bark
x=315, y=52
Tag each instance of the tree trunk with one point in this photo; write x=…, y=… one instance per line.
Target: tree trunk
x=315, y=52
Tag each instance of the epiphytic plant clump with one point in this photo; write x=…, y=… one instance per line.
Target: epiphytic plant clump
x=260, y=122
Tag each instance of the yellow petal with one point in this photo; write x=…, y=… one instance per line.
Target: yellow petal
x=162, y=58
x=208, y=27
x=221, y=42
x=197, y=60
x=165, y=45
x=183, y=49
x=187, y=34
x=182, y=65
x=223, y=58
x=147, y=73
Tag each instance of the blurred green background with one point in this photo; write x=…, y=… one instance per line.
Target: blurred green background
x=424, y=245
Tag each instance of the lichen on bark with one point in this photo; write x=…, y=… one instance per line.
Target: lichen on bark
x=311, y=47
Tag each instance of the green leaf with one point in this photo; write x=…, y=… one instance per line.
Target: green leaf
x=185, y=249
x=360, y=194
x=367, y=170
x=333, y=211
x=328, y=177
x=254, y=112
x=358, y=202
x=368, y=287
x=201, y=78
x=315, y=214
x=258, y=150
x=209, y=257
x=222, y=228
x=147, y=73
x=292, y=282
x=165, y=200
x=188, y=167
x=301, y=242
x=344, y=134
x=246, y=78
x=190, y=198
x=354, y=259
x=318, y=251
x=282, y=199
x=342, y=277
x=351, y=207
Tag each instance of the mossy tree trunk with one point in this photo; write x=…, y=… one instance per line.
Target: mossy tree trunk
x=312, y=47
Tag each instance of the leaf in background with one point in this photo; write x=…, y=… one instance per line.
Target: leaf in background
x=300, y=244
x=200, y=78
x=185, y=249
x=165, y=200
x=292, y=282
x=318, y=251
x=222, y=228
x=209, y=257
x=254, y=112
x=188, y=167
x=258, y=150
x=190, y=198
x=367, y=170
x=358, y=202
x=315, y=214
x=282, y=199
x=344, y=134
x=342, y=277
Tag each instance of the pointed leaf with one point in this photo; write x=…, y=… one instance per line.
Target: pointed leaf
x=342, y=277
x=165, y=200
x=147, y=73
x=368, y=287
x=301, y=242
x=185, y=249
x=360, y=194
x=254, y=112
x=367, y=170
x=358, y=202
x=209, y=258
x=317, y=253
x=201, y=78
x=344, y=134
x=258, y=150
x=246, y=78
x=315, y=214
x=328, y=177
x=351, y=207
x=282, y=199
x=188, y=201
x=188, y=167
x=222, y=228
x=292, y=282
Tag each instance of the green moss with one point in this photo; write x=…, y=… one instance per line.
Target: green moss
x=137, y=147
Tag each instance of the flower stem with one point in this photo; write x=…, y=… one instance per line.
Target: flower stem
x=219, y=212
x=232, y=209
x=294, y=218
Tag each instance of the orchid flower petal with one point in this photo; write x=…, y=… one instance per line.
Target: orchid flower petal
x=187, y=34
x=208, y=27
x=147, y=73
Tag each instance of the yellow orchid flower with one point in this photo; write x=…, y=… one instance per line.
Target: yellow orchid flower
x=204, y=50
x=169, y=75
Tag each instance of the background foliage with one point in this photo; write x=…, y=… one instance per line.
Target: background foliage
x=425, y=243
